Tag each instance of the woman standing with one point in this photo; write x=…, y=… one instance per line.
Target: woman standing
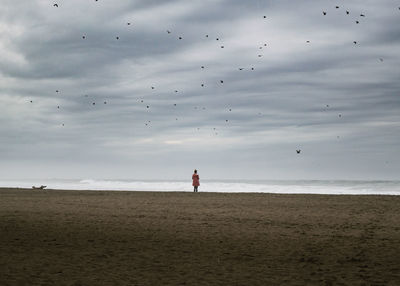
x=196, y=181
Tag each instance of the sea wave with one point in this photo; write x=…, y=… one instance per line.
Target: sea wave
x=282, y=187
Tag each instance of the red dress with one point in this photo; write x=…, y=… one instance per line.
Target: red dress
x=196, y=181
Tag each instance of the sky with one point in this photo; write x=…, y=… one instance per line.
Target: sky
x=114, y=89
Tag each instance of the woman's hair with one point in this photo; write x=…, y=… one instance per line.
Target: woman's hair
x=195, y=171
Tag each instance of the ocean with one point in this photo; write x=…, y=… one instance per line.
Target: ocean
x=333, y=187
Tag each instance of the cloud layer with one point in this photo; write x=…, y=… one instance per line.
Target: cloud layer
x=154, y=89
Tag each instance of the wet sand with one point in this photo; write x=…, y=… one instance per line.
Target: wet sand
x=55, y=237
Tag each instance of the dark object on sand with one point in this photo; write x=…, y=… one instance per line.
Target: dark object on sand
x=39, y=188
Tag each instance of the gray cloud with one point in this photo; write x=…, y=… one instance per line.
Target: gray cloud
x=336, y=100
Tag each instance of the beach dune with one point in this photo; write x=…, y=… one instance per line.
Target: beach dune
x=61, y=237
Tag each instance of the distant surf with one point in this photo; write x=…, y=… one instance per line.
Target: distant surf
x=223, y=186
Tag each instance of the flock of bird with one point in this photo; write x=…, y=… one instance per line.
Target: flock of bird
x=203, y=67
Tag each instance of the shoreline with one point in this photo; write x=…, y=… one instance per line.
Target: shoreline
x=188, y=192
x=61, y=237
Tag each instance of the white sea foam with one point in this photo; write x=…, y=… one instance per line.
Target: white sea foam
x=282, y=187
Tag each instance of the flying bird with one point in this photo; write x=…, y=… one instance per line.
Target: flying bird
x=298, y=151
x=55, y=5
x=323, y=12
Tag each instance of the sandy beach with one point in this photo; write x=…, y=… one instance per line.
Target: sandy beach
x=60, y=237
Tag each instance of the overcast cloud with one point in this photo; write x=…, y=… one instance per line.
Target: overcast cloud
x=94, y=113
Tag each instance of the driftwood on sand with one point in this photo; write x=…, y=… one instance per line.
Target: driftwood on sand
x=39, y=188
